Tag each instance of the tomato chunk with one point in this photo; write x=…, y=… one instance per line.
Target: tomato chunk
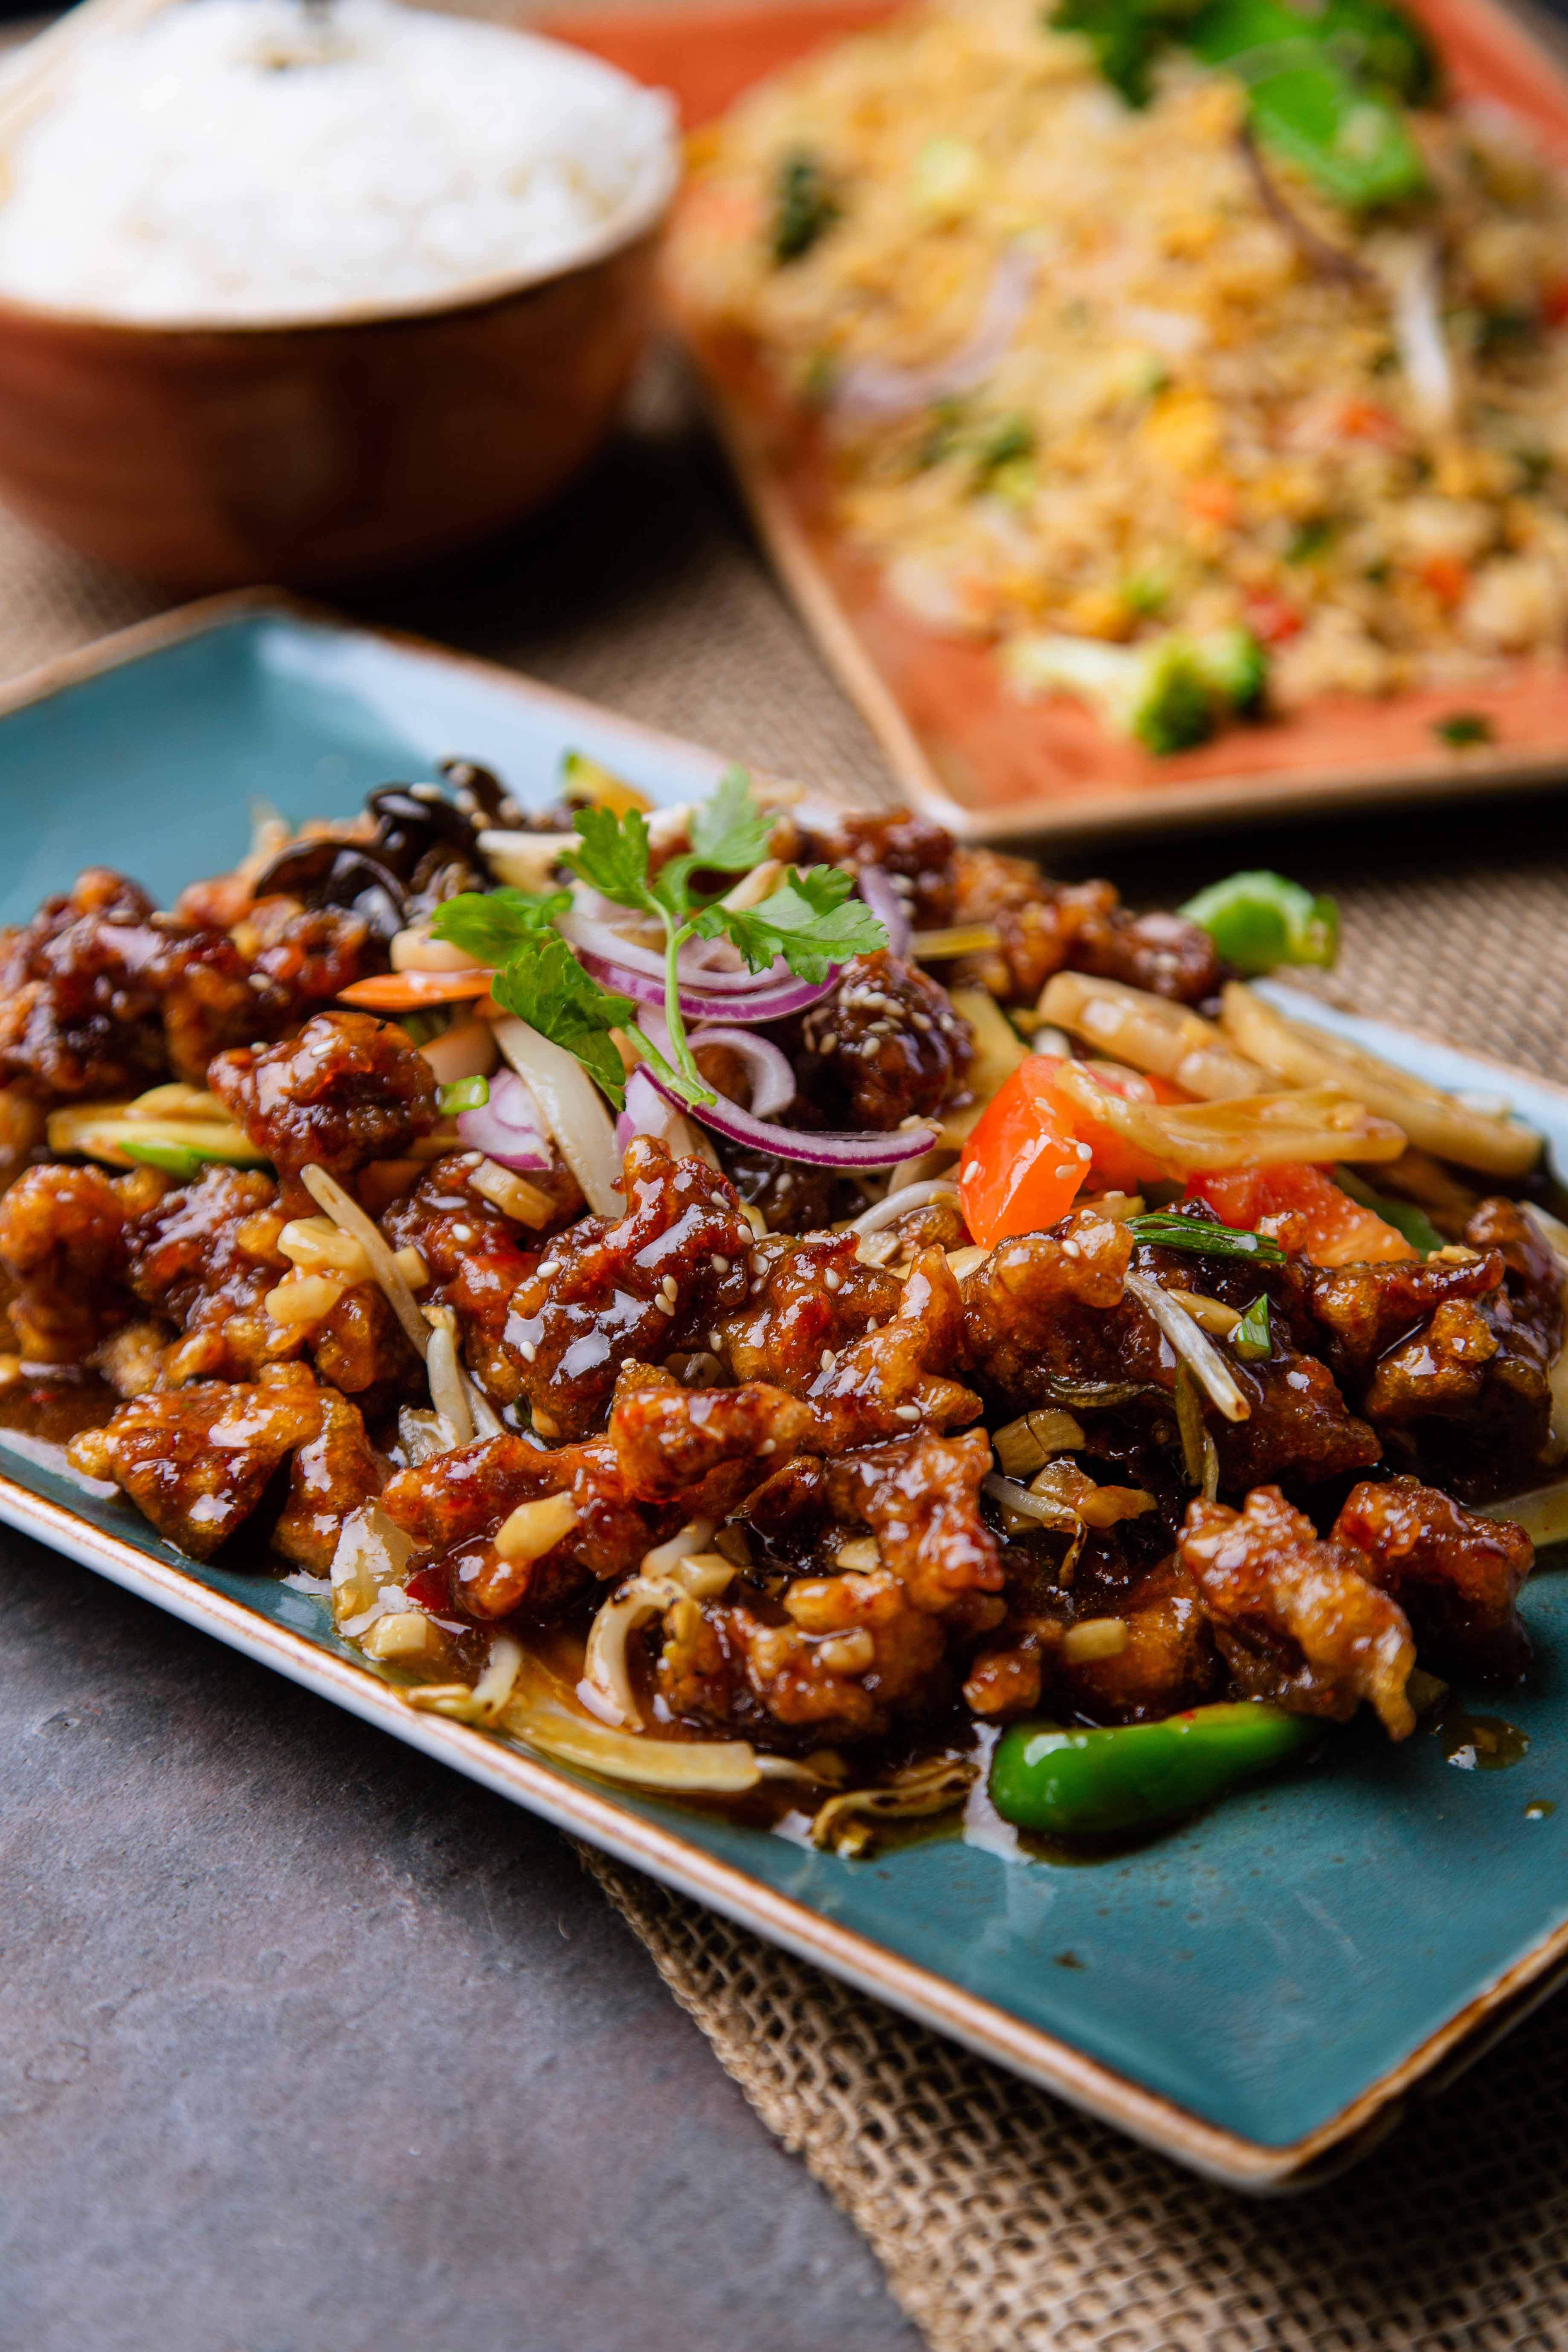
x=1339, y=1231
x=1023, y=1166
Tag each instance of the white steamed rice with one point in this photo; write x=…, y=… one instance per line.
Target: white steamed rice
x=242, y=160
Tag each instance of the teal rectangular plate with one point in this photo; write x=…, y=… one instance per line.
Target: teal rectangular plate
x=1256, y=1994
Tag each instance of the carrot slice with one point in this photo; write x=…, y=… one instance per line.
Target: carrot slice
x=407, y=992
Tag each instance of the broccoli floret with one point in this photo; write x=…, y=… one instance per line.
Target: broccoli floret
x=1233, y=664
x=1154, y=692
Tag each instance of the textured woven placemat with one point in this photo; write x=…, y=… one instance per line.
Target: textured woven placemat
x=1005, y=2222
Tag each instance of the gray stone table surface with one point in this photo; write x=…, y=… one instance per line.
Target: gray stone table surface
x=306, y=2042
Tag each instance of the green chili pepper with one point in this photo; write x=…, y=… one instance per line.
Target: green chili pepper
x=463, y=1094
x=1136, y=1776
x=1164, y=1229
x=1250, y=1338
x=1259, y=921
x=1346, y=133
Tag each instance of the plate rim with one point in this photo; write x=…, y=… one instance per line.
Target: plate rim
x=1038, y=2056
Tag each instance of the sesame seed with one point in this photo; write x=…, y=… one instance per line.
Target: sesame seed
x=668, y=1286
x=528, y=1351
x=759, y=1264
x=472, y=1158
x=768, y=1446
x=1065, y=1172
x=552, y=1265
x=906, y=1412
x=832, y=1280
x=463, y=1234
x=1083, y=1152
x=715, y=1341
x=1070, y=1249
x=664, y=1306
x=827, y=1043
x=719, y=1265
x=829, y=1359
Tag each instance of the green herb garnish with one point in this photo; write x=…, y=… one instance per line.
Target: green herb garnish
x=1164, y=1229
x=1463, y=727
x=804, y=207
x=1250, y=1338
x=809, y=921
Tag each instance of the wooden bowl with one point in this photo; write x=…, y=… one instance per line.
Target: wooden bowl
x=320, y=452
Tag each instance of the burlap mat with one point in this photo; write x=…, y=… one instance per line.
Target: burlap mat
x=1005, y=2222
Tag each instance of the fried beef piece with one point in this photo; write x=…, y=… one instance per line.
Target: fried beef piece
x=197, y=1461
x=1299, y=1428
x=871, y=1353
x=1457, y=1576
x=204, y=1258
x=1296, y=1619
x=791, y=1197
x=79, y=1004
x=62, y=1242
x=1045, y=926
x=1366, y=1309
x=920, y=1498
x=452, y=1505
x=668, y=1440
x=101, y=995
x=476, y=1263
x=333, y=1473
x=1454, y=1357
x=651, y=1284
x=1052, y=1305
x=915, y=855
x=349, y=1088
x=300, y=956
x=887, y=1045
x=1169, y=1661
x=849, y=1653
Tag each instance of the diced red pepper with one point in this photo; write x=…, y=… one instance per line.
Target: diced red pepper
x=1273, y=619
x=1338, y=1230
x=1028, y=1156
x=1447, y=578
x=1368, y=420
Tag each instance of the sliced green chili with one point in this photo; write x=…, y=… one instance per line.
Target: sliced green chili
x=1260, y=920
x=1251, y=1338
x=1136, y=1776
x=463, y=1094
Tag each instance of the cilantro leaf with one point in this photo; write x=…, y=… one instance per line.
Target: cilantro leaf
x=490, y=923
x=614, y=855
x=810, y=920
x=544, y=984
x=728, y=832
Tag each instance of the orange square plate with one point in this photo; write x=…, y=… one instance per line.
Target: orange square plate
x=985, y=764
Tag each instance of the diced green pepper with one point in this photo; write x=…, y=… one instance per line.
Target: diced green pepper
x=805, y=207
x=1261, y=919
x=463, y=1094
x=1346, y=134
x=1251, y=1338
x=1105, y=1783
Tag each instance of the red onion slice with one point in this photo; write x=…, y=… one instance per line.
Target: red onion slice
x=849, y=1151
x=647, y=1111
x=508, y=1128
x=773, y=1080
x=599, y=940
x=769, y=1002
x=871, y=388
x=876, y=888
